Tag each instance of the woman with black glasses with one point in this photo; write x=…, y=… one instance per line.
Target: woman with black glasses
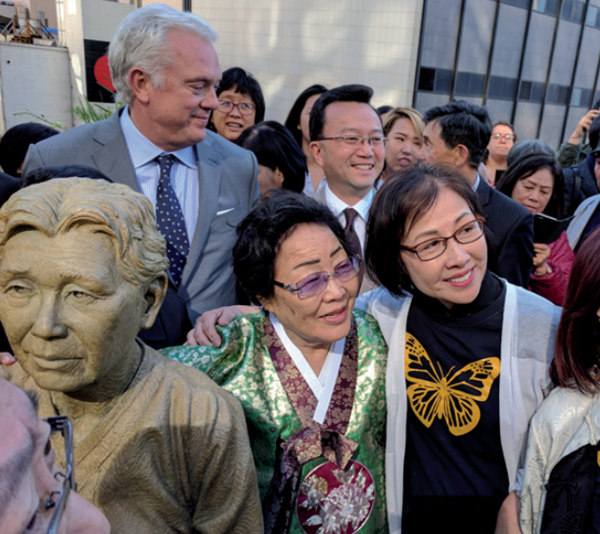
x=308, y=370
x=241, y=104
x=468, y=360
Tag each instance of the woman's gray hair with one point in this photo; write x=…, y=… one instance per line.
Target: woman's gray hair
x=141, y=41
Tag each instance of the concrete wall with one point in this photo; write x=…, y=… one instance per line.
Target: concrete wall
x=34, y=79
x=291, y=44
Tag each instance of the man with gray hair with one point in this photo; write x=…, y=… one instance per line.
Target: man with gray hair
x=201, y=186
x=158, y=447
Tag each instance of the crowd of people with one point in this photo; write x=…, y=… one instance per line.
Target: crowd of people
x=357, y=320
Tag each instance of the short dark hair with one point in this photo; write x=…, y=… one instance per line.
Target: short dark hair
x=263, y=230
x=43, y=174
x=594, y=133
x=382, y=110
x=292, y=122
x=245, y=84
x=16, y=141
x=343, y=93
x=465, y=124
x=530, y=146
x=274, y=147
x=528, y=165
x=404, y=198
x=577, y=348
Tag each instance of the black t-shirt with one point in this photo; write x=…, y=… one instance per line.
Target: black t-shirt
x=454, y=472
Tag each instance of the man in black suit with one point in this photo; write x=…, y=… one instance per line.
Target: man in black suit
x=456, y=135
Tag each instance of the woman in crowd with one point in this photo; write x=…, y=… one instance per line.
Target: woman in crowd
x=561, y=486
x=501, y=141
x=536, y=182
x=469, y=356
x=241, y=104
x=403, y=128
x=282, y=164
x=297, y=124
x=308, y=371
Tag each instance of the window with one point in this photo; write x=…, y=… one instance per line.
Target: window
x=501, y=87
x=532, y=91
x=557, y=94
x=469, y=83
x=572, y=10
x=549, y=7
x=437, y=80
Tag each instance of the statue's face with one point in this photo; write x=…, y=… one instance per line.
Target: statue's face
x=69, y=314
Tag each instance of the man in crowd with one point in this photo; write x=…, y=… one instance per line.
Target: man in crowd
x=347, y=141
x=582, y=180
x=166, y=69
x=158, y=446
x=457, y=135
x=30, y=484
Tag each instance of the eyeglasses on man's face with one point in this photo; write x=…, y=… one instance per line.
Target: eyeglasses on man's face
x=506, y=136
x=314, y=284
x=245, y=108
x=356, y=141
x=434, y=248
x=61, y=424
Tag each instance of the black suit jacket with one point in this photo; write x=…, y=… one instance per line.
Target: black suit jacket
x=509, y=233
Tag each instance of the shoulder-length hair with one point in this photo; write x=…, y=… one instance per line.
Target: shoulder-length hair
x=528, y=165
x=402, y=201
x=577, y=348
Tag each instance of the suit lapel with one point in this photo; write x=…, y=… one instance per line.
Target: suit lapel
x=111, y=155
x=483, y=192
x=209, y=177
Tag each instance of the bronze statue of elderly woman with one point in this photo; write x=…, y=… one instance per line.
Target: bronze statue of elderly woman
x=158, y=446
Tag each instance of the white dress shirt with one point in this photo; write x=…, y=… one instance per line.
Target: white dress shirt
x=184, y=173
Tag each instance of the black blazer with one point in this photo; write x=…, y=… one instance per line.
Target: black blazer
x=509, y=233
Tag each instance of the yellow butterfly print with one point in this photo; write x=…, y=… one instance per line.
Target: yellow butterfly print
x=451, y=395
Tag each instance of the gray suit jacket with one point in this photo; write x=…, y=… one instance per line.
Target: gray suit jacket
x=227, y=176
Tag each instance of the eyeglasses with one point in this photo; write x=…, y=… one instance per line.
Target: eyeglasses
x=434, y=248
x=314, y=284
x=506, y=137
x=245, y=108
x=62, y=424
x=355, y=140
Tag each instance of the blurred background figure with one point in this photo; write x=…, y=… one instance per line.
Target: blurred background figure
x=576, y=148
x=281, y=161
x=560, y=488
x=16, y=141
x=297, y=124
x=384, y=110
x=501, y=141
x=536, y=182
x=403, y=128
x=33, y=491
x=523, y=148
x=241, y=104
x=581, y=179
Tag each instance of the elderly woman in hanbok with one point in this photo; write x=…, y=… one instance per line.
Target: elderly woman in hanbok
x=308, y=370
x=561, y=487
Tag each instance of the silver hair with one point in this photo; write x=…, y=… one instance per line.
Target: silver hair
x=141, y=41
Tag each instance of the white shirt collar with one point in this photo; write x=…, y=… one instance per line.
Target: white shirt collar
x=143, y=151
x=337, y=206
